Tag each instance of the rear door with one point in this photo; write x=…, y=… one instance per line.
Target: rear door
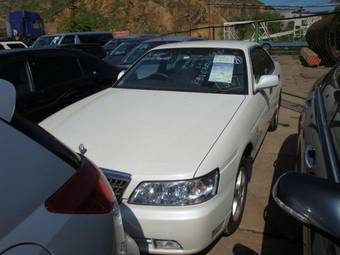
x=56, y=77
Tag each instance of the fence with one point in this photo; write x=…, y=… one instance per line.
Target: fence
x=320, y=32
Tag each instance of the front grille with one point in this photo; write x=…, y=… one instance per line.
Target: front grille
x=118, y=181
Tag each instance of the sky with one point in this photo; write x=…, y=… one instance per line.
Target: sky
x=300, y=2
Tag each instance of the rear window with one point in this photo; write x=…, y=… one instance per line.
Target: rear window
x=93, y=65
x=16, y=46
x=94, y=50
x=15, y=72
x=51, y=70
x=47, y=140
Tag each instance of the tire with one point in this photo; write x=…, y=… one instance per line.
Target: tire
x=274, y=123
x=239, y=199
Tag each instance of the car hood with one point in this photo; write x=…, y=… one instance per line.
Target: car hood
x=154, y=134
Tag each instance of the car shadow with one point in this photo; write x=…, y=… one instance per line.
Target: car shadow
x=133, y=228
x=282, y=234
x=240, y=249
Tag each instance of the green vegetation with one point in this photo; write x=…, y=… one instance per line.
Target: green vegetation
x=86, y=21
x=245, y=31
x=55, y=8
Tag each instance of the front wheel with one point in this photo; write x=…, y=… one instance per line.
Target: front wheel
x=239, y=200
x=267, y=47
x=274, y=123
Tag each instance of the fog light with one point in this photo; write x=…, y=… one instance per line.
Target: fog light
x=167, y=244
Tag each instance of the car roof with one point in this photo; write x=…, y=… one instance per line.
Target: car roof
x=242, y=45
x=15, y=52
x=76, y=33
x=12, y=42
x=177, y=38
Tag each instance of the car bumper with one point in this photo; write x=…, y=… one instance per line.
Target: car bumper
x=192, y=227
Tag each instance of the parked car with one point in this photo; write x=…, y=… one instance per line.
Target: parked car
x=144, y=47
x=312, y=195
x=54, y=201
x=90, y=48
x=72, y=38
x=269, y=43
x=12, y=45
x=182, y=126
x=117, y=40
x=116, y=55
x=49, y=79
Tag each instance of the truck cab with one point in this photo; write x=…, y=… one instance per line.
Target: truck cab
x=24, y=24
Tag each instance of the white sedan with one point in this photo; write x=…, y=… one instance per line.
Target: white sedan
x=176, y=136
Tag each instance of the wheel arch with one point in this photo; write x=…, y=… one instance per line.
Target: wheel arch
x=247, y=159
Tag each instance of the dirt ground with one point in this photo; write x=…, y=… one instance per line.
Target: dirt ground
x=265, y=229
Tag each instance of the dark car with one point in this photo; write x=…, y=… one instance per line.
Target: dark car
x=116, y=55
x=72, y=38
x=312, y=194
x=144, y=47
x=47, y=80
x=90, y=48
x=117, y=40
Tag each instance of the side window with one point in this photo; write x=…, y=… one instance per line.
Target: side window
x=68, y=39
x=51, y=70
x=16, y=46
x=16, y=73
x=95, y=38
x=92, y=65
x=262, y=63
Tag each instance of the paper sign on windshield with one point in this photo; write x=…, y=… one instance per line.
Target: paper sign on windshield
x=222, y=69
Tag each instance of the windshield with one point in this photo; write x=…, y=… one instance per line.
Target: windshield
x=46, y=41
x=124, y=48
x=190, y=69
x=140, y=50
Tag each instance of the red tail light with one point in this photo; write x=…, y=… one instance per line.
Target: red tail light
x=86, y=192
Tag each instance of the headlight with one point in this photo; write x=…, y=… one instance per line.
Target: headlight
x=176, y=193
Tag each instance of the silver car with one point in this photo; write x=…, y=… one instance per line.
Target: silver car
x=53, y=201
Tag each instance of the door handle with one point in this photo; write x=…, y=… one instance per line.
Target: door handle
x=310, y=156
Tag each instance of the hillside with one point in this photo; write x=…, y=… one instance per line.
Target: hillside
x=137, y=16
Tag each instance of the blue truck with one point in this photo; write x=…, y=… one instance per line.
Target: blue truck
x=24, y=25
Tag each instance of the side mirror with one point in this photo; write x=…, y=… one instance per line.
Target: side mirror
x=7, y=100
x=120, y=75
x=313, y=201
x=267, y=81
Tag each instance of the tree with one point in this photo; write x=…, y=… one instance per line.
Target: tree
x=84, y=22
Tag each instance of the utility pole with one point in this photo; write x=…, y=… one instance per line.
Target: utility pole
x=209, y=16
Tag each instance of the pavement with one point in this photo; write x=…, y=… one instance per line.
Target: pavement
x=265, y=229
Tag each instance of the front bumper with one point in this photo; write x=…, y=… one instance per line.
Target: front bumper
x=192, y=227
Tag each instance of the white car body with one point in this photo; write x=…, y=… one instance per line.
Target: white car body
x=167, y=135
x=12, y=45
x=32, y=172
